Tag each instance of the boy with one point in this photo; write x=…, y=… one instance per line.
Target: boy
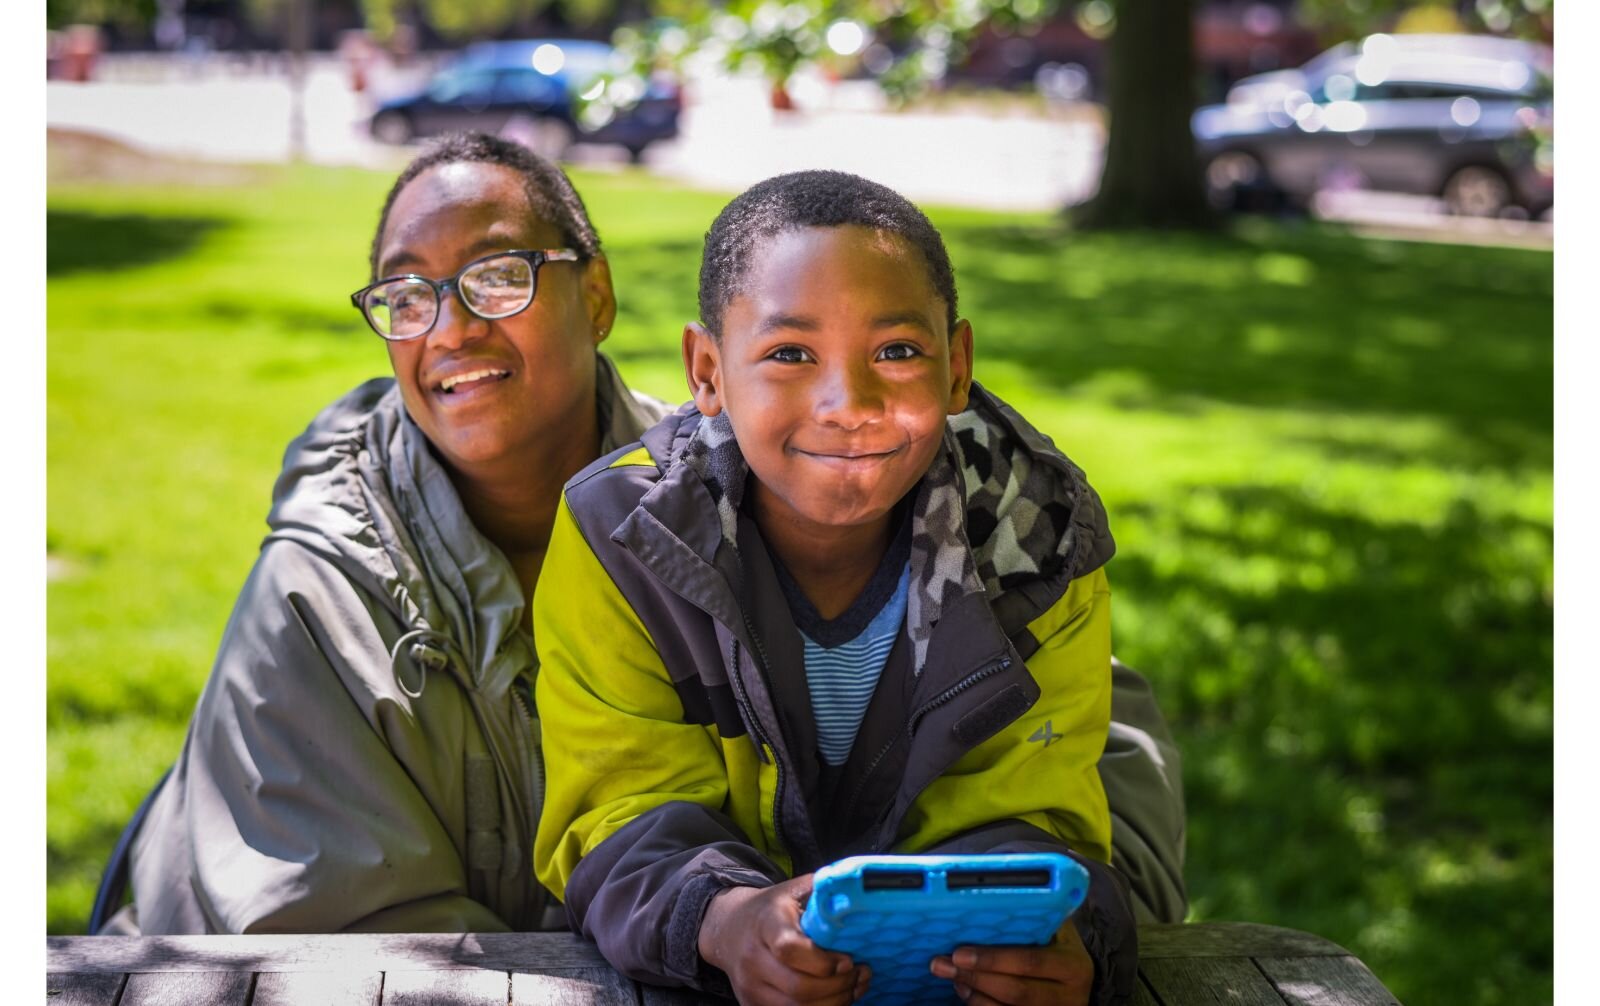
x=844, y=601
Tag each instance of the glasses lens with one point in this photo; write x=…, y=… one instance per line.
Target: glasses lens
x=401, y=309
x=497, y=287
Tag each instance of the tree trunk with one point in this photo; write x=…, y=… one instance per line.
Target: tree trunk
x=1151, y=177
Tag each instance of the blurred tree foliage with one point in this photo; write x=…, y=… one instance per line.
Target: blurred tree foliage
x=60, y=13
x=462, y=21
x=1343, y=19
x=906, y=44
x=1151, y=178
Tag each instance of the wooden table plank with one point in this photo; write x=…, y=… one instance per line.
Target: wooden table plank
x=446, y=988
x=336, y=952
x=181, y=988
x=68, y=989
x=1209, y=981
x=325, y=988
x=590, y=987
x=1325, y=981
x=1232, y=939
x=1183, y=965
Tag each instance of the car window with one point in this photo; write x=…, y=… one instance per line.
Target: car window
x=527, y=86
x=1424, y=90
x=462, y=85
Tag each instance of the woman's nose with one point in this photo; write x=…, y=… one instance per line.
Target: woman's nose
x=455, y=325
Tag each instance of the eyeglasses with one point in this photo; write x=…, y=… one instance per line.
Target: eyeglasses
x=492, y=287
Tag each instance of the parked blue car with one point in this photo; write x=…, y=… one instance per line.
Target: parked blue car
x=532, y=90
x=1464, y=118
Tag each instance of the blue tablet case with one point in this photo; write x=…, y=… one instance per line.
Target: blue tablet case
x=896, y=913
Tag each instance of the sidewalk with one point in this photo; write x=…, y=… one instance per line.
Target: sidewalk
x=729, y=139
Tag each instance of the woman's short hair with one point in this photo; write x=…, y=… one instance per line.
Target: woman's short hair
x=551, y=196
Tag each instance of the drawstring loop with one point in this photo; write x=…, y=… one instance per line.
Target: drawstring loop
x=428, y=648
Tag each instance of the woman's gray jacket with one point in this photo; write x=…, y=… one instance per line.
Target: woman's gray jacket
x=363, y=756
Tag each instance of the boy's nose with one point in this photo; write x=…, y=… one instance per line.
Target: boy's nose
x=849, y=397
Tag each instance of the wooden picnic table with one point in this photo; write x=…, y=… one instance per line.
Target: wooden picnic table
x=1204, y=963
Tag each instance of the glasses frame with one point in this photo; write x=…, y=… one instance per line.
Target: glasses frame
x=441, y=287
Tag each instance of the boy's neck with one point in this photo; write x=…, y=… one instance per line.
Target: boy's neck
x=830, y=564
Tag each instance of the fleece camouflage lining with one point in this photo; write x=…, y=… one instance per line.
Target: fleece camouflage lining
x=1015, y=511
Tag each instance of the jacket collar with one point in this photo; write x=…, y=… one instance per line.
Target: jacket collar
x=363, y=488
x=1000, y=515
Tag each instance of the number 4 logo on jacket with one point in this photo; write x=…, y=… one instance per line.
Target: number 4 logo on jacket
x=1045, y=734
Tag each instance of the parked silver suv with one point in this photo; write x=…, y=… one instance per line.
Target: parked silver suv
x=1464, y=117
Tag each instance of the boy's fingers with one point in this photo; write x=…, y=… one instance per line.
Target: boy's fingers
x=797, y=986
x=1000, y=987
x=1027, y=962
x=796, y=952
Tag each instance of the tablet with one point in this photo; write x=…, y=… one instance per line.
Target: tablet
x=896, y=913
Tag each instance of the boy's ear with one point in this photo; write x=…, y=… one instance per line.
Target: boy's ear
x=960, y=365
x=702, y=365
x=599, y=300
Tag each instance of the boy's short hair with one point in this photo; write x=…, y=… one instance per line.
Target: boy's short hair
x=811, y=199
x=550, y=193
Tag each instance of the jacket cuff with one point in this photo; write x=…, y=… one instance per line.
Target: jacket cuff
x=682, y=950
x=1106, y=925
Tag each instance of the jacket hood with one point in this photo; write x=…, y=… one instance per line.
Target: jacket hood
x=1001, y=511
x=362, y=488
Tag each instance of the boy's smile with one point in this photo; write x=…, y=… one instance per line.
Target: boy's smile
x=837, y=369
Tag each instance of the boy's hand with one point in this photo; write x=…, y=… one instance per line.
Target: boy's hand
x=754, y=935
x=1021, y=976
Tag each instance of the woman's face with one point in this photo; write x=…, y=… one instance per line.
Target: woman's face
x=487, y=392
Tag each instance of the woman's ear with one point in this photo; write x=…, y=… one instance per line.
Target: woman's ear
x=702, y=365
x=960, y=365
x=599, y=300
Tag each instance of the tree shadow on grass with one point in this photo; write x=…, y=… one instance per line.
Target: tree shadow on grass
x=1305, y=320
x=1365, y=710
x=77, y=241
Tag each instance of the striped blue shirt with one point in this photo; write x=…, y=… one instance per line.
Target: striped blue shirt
x=842, y=677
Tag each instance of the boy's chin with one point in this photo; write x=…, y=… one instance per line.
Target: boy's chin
x=843, y=513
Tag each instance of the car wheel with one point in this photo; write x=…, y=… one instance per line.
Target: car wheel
x=547, y=137
x=392, y=127
x=1477, y=191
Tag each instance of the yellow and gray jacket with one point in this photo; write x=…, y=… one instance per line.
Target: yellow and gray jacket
x=678, y=729
x=361, y=758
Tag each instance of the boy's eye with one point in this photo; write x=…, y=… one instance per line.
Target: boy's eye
x=789, y=354
x=899, y=351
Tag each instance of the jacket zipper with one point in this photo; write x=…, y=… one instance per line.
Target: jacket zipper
x=954, y=690
x=535, y=784
x=764, y=742
x=916, y=717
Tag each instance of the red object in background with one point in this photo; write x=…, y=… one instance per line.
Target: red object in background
x=79, y=50
x=358, y=51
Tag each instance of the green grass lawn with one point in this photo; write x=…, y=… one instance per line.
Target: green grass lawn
x=1327, y=461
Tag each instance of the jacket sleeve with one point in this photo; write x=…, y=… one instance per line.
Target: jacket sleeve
x=297, y=803
x=632, y=836
x=1035, y=786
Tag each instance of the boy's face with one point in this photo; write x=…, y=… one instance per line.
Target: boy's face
x=837, y=369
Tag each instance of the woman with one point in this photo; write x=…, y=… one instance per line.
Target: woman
x=364, y=756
